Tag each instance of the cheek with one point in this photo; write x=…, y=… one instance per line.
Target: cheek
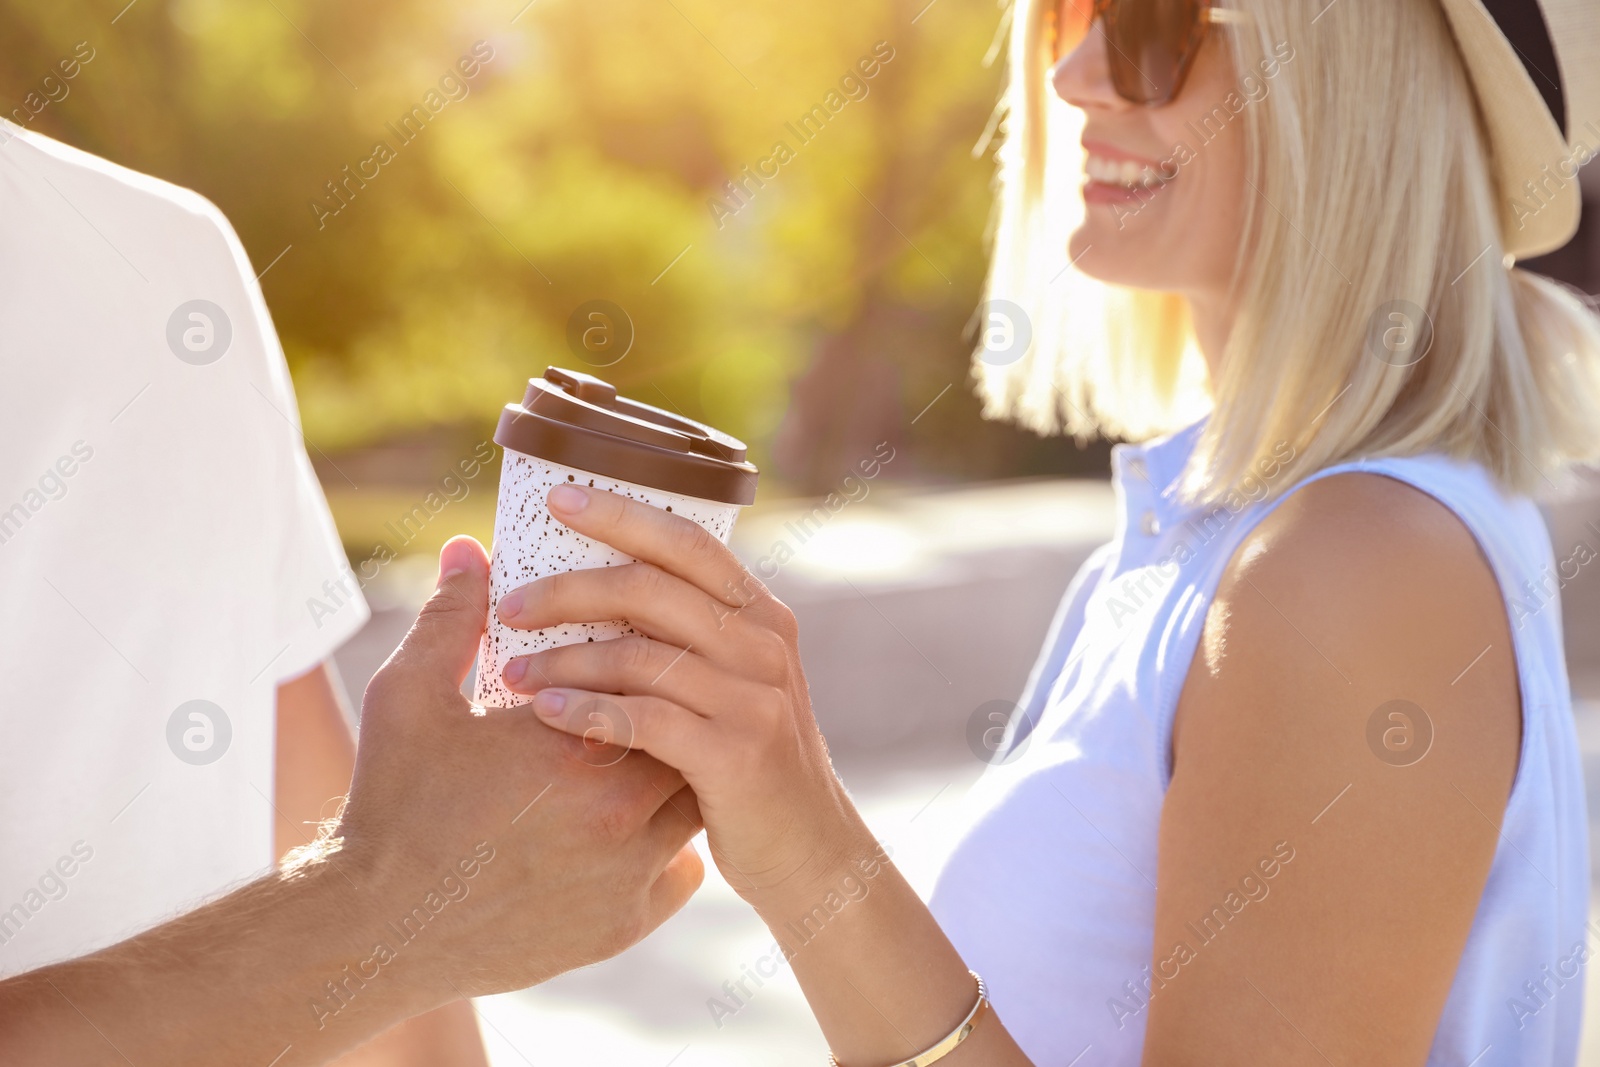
x=1210, y=194
x=1215, y=188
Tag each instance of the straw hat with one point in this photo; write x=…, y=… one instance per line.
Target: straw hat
x=1536, y=67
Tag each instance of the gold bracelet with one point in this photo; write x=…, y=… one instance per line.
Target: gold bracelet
x=956, y=1036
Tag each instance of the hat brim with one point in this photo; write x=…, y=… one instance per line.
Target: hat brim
x=1526, y=146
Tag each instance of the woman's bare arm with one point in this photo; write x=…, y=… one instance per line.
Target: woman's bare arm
x=1317, y=878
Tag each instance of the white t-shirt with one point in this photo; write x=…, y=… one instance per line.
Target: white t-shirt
x=161, y=533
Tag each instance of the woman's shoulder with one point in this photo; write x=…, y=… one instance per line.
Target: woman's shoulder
x=1373, y=563
x=1358, y=592
x=1361, y=521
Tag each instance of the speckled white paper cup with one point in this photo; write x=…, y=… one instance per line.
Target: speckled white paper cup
x=529, y=543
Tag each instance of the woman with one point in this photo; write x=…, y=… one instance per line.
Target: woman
x=1295, y=780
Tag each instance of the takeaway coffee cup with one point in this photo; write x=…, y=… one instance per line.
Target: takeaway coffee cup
x=573, y=427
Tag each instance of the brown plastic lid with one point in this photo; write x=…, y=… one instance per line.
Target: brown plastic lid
x=577, y=420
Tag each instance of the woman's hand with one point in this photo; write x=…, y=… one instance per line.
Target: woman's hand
x=712, y=686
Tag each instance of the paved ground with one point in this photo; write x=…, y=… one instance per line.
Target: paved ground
x=917, y=610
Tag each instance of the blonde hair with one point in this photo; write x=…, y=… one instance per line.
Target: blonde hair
x=1371, y=163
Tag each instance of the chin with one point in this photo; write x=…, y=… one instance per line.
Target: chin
x=1107, y=255
x=1136, y=251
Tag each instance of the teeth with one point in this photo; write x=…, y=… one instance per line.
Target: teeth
x=1125, y=173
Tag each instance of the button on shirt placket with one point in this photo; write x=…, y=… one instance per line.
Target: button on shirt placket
x=1143, y=515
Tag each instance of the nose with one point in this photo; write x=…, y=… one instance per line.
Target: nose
x=1082, y=77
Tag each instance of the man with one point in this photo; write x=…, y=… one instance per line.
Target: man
x=478, y=853
x=171, y=727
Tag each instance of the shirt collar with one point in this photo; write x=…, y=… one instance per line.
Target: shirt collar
x=1149, y=471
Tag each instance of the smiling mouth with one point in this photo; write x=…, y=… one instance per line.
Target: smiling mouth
x=1122, y=174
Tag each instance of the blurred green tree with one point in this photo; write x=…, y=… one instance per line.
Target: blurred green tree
x=426, y=233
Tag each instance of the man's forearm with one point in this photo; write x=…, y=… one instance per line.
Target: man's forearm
x=315, y=757
x=258, y=977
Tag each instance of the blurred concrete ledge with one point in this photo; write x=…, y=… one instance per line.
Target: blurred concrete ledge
x=905, y=539
x=917, y=608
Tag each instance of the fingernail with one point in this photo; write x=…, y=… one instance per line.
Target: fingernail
x=568, y=498
x=516, y=670
x=511, y=605
x=549, y=702
x=455, y=558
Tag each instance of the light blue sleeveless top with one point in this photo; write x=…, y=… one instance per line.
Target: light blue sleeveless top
x=1049, y=892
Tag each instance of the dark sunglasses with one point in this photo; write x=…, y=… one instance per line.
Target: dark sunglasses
x=1150, y=44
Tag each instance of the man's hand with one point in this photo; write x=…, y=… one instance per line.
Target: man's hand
x=578, y=852
x=479, y=852
x=711, y=684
